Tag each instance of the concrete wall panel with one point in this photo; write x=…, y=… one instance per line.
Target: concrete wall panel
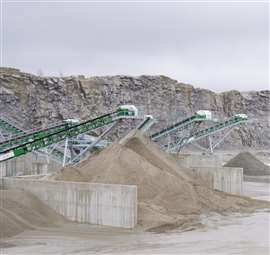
x=227, y=179
x=95, y=203
x=199, y=160
x=28, y=164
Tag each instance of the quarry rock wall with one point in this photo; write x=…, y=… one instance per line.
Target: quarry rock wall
x=34, y=101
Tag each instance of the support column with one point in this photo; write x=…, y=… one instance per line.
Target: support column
x=65, y=152
x=210, y=144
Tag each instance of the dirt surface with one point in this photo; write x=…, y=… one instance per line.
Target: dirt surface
x=250, y=164
x=234, y=234
x=230, y=234
x=21, y=211
x=167, y=197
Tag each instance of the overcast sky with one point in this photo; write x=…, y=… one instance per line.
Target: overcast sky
x=219, y=46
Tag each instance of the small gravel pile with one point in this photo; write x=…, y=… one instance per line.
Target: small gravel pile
x=250, y=164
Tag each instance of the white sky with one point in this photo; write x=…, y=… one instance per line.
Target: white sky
x=219, y=46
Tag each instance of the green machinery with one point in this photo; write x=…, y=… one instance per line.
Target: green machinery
x=22, y=145
x=40, y=140
x=17, y=135
x=229, y=123
x=198, y=117
x=99, y=143
x=26, y=137
x=146, y=123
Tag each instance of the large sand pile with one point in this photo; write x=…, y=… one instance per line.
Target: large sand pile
x=167, y=197
x=250, y=164
x=19, y=211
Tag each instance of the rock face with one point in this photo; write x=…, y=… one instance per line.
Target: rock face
x=35, y=101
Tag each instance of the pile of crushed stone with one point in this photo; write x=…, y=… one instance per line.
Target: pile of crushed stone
x=20, y=211
x=167, y=197
x=250, y=164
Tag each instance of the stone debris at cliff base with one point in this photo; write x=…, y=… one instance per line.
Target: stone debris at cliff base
x=167, y=197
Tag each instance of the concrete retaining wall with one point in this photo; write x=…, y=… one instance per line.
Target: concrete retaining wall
x=29, y=164
x=103, y=204
x=227, y=179
x=199, y=160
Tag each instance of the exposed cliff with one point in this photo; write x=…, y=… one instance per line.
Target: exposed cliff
x=33, y=100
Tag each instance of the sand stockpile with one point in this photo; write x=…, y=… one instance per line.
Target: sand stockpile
x=167, y=197
x=21, y=210
x=250, y=164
